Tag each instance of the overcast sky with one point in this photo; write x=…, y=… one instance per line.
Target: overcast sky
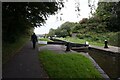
x=69, y=14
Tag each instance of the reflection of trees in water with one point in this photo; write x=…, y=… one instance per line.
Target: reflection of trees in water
x=109, y=62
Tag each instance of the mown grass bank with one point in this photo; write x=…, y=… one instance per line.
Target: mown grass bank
x=97, y=40
x=70, y=65
x=10, y=49
x=81, y=41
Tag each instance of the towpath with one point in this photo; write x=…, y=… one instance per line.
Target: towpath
x=25, y=64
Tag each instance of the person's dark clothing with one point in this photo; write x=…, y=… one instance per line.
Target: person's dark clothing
x=34, y=40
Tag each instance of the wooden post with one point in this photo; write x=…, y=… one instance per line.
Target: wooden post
x=68, y=46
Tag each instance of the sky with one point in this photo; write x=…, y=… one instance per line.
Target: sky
x=69, y=14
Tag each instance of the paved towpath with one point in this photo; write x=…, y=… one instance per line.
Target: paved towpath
x=56, y=48
x=25, y=64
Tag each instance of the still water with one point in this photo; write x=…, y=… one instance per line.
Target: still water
x=109, y=62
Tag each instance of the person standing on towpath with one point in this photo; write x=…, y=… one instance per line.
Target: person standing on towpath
x=34, y=40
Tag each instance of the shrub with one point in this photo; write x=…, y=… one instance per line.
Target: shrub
x=80, y=36
x=114, y=39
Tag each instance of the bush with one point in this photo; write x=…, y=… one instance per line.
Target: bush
x=114, y=39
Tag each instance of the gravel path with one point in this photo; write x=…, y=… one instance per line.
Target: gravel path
x=24, y=64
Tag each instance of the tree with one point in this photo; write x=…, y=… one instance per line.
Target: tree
x=51, y=32
x=20, y=17
x=64, y=30
x=84, y=20
x=58, y=32
x=108, y=12
x=67, y=26
x=77, y=28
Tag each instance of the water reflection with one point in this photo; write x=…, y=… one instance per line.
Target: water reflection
x=108, y=61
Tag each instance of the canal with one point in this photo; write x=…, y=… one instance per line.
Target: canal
x=108, y=61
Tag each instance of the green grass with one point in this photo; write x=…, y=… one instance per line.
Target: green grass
x=81, y=41
x=70, y=65
x=41, y=45
x=9, y=50
x=45, y=39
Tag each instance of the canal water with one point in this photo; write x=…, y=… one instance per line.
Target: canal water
x=109, y=62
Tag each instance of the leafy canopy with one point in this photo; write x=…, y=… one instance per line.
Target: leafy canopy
x=20, y=17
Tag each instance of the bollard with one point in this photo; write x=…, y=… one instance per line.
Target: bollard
x=68, y=46
x=106, y=44
x=86, y=43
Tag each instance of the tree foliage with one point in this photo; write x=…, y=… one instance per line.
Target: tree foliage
x=67, y=26
x=84, y=20
x=109, y=13
x=64, y=30
x=104, y=21
x=20, y=17
x=51, y=32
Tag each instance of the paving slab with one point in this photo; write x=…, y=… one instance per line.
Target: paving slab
x=42, y=42
x=56, y=48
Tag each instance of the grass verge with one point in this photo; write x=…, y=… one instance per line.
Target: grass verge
x=9, y=50
x=68, y=65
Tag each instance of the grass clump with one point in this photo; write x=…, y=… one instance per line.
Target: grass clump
x=41, y=45
x=70, y=65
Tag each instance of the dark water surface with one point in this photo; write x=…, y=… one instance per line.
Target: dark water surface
x=109, y=62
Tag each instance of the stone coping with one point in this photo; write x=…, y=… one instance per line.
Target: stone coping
x=112, y=49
